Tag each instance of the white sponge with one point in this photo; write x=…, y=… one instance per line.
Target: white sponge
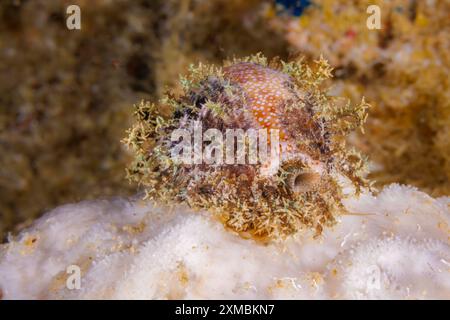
x=394, y=245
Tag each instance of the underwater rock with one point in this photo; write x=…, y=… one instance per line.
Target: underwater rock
x=403, y=69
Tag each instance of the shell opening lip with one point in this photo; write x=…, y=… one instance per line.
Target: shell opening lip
x=303, y=181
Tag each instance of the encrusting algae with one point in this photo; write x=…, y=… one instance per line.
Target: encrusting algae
x=305, y=189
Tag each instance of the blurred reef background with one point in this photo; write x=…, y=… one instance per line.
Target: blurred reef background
x=66, y=96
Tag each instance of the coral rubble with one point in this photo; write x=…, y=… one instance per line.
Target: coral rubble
x=403, y=69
